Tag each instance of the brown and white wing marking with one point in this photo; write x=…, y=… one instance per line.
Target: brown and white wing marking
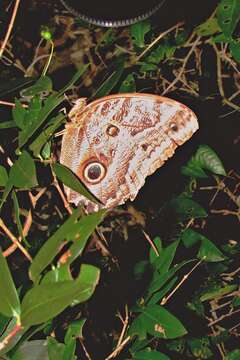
x=115, y=142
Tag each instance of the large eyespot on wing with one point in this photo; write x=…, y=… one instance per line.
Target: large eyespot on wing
x=182, y=125
x=94, y=172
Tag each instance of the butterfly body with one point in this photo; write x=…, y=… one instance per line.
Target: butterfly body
x=115, y=142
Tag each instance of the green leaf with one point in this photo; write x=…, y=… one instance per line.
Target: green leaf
x=23, y=172
x=76, y=229
x=150, y=355
x=157, y=321
x=55, y=349
x=49, y=105
x=217, y=292
x=9, y=301
x=152, y=254
x=69, y=179
x=12, y=327
x=164, y=260
x=3, y=176
x=105, y=88
x=45, y=301
x=228, y=15
x=204, y=159
x=190, y=237
x=44, y=83
x=160, y=294
x=75, y=330
x=17, y=215
x=32, y=350
x=233, y=355
x=7, y=124
x=19, y=113
x=37, y=145
x=185, y=208
x=235, y=50
x=12, y=85
x=7, y=190
x=128, y=85
x=209, y=27
x=208, y=251
x=138, y=32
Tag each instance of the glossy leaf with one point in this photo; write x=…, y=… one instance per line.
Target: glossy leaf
x=3, y=176
x=204, y=159
x=159, y=295
x=75, y=330
x=157, y=321
x=150, y=355
x=128, y=85
x=11, y=327
x=23, y=172
x=69, y=179
x=190, y=237
x=138, y=32
x=9, y=300
x=228, y=15
x=45, y=301
x=55, y=349
x=76, y=228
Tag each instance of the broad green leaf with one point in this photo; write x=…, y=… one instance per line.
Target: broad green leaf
x=152, y=254
x=209, y=27
x=204, y=159
x=60, y=273
x=186, y=208
x=190, y=237
x=208, y=251
x=150, y=355
x=105, y=88
x=75, y=330
x=138, y=32
x=157, y=321
x=69, y=350
x=69, y=179
x=159, y=280
x=235, y=50
x=200, y=346
x=3, y=176
x=45, y=301
x=9, y=301
x=43, y=84
x=55, y=349
x=164, y=260
x=139, y=345
x=217, y=292
x=128, y=85
x=32, y=350
x=19, y=113
x=23, y=172
x=76, y=229
x=157, y=55
x=228, y=15
x=46, y=133
x=160, y=294
x=49, y=105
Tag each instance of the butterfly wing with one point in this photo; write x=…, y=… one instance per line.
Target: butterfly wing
x=115, y=142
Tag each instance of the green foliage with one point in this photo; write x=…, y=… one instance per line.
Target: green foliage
x=138, y=32
x=228, y=15
x=204, y=159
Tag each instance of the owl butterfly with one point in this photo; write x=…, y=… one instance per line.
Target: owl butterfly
x=115, y=142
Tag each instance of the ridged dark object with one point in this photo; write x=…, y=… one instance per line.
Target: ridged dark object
x=112, y=13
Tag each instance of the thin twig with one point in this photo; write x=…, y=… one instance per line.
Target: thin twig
x=10, y=26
